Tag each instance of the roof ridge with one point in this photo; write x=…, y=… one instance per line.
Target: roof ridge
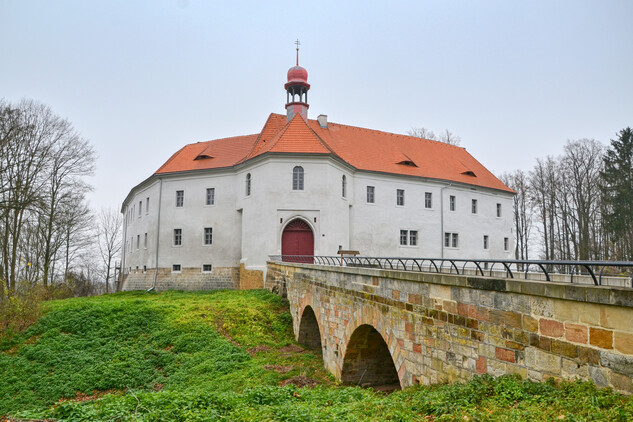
x=257, y=141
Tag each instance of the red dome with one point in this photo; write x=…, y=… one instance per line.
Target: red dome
x=297, y=74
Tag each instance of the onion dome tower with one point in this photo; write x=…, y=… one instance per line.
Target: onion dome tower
x=297, y=90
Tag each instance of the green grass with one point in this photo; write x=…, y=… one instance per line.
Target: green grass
x=185, y=356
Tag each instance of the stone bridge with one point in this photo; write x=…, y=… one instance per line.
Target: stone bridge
x=381, y=327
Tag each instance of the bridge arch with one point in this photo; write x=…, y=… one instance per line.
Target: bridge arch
x=367, y=360
x=309, y=331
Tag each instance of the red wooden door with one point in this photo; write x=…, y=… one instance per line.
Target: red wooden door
x=297, y=239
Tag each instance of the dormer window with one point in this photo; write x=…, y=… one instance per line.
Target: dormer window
x=203, y=157
x=407, y=163
x=469, y=173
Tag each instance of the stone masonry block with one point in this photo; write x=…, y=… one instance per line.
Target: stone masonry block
x=619, y=363
x=617, y=318
x=576, y=333
x=543, y=361
x=601, y=338
x=551, y=328
x=542, y=306
x=623, y=342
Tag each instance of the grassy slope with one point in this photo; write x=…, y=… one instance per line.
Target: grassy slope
x=185, y=356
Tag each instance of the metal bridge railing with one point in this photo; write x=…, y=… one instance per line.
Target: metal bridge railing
x=567, y=271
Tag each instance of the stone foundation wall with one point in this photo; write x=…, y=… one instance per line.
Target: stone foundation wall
x=251, y=279
x=445, y=328
x=187, y=279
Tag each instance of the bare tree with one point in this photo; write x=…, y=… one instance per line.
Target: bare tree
x=422, y=132
x=42, y=193
x=446, y=136
x=110, y=241
x=449, y=137
x=522, y=214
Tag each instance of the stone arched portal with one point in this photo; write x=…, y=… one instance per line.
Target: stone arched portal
x=367, y=360
x=297, y=242
x=309, y=333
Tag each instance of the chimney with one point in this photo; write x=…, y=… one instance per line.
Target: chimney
x=322, y=119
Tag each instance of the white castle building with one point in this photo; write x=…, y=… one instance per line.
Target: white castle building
x=213, y=213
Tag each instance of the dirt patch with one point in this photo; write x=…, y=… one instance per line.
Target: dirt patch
x=80, y=397
x=386, y=389
x=219, y=323
x=300, y=381
x=256, y=350
x=292, y=349
x=279, y=368
x=157, y=386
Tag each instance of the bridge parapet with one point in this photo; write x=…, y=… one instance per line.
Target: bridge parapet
x=447, y=327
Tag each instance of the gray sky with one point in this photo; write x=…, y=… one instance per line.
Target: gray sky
x=140, y=79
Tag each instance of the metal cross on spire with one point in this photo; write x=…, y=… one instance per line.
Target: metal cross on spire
x=297, y=43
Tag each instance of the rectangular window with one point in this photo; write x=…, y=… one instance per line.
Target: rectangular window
x=207, y=268
x=498, y=210
x=403, y=237
x=344, y=186
x=140, y=208
x=180, y=198
x=210, y=196
x=208, y=235
x=177, y=237
x=145, y=241
x=370, y=194
x=138, y=241
x=144, y=268
x=400, y=197
x=428, y=200
x=506, y=244
x=474, y=206
x=451, y=240
x=413, y=237
x=136, y=269
x=485, y=241
x=175, y=268
x=451, y=202
x=147, y=205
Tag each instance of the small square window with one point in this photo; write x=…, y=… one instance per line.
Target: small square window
x=451, y=202
x=176, y=268
x=400, y=197
x=177, y=237
x=474, y=206
x=210, y=196
x=428, y=200
x=498, y=210
x=208, y=235
x=485, y=241
x=207, y=268
x=370, y=194
x=180, y=198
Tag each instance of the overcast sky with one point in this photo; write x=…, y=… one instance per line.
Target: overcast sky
x=140, y=79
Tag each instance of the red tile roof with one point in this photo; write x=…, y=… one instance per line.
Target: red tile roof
x=364, y=149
